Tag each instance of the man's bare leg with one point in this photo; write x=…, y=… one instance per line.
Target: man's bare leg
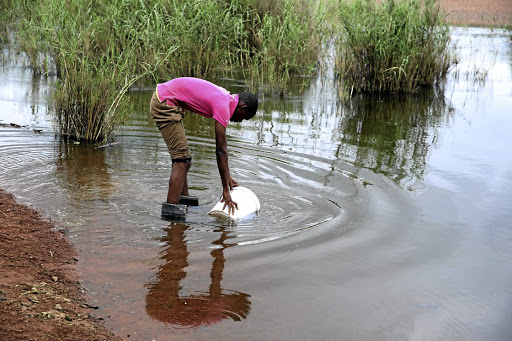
x=185, y=198
x=177, y=181
x=184, y=191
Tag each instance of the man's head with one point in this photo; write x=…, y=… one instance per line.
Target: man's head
x=246, y=108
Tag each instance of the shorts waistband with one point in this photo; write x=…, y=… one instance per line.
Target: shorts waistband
x=156, y=92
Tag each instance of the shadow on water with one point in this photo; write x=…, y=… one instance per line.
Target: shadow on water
x=164, y=301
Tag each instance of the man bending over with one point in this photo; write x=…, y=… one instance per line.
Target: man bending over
x=167, y=107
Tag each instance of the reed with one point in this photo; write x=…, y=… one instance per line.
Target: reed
x=285, y=39
x=392, y=45
x=98, y=48
x=92, y=73
x=4, y=19
x=268, y=41
x=88, y=105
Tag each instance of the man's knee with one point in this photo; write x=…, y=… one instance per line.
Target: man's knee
x=183, y=164
x=188, y=164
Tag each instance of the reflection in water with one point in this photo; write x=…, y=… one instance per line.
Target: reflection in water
x=83, y=171
x=164, y=303
x=393, y=135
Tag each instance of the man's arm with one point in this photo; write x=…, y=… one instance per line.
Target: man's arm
x=221, y=152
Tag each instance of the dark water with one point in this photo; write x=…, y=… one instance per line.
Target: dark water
x=388, y=218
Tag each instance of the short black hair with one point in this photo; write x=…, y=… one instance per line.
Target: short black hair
x=250, y=100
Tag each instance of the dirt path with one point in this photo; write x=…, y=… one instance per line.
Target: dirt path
x=40, y=296
x=478, y=12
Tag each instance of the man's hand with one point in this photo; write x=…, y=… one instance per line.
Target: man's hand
x=226, y=199
x=232, y=183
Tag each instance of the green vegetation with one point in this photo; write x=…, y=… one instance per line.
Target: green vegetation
x=392, y=46
x=285, y=38
x=98, y=49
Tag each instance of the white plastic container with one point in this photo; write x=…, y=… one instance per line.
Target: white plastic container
x=248, y=205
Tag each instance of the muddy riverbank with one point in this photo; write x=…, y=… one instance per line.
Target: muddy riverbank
x=40, y=294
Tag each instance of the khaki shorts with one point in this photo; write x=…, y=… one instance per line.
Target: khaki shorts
x=169, y=121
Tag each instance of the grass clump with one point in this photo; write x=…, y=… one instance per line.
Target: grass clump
x=90, y=107
x=71, y=39
x=392, y=45
x=285, y=39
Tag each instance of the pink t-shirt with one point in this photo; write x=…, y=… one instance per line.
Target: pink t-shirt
x=199, y=96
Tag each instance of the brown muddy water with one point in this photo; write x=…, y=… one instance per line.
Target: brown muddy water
x=384, y=219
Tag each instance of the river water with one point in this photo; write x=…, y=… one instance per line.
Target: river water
x=381, y=219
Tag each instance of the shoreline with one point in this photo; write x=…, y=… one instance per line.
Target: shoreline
x=40, y=294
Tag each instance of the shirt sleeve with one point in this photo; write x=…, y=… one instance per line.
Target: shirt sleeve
x=222, y=115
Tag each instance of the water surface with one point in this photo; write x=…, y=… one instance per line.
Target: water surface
x=387, y=218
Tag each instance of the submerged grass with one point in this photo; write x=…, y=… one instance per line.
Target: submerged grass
x=392, y=45
x=98, y=48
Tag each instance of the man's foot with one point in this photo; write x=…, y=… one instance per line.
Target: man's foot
x=189, y=200
x=173, y=211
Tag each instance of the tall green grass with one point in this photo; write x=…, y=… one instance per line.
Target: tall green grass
x=99, y=48
x=286, y=39
x=392, y=45
x=4, y=20
x=268, y=41
x=67, y=37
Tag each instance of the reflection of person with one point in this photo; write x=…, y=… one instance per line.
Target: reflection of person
x=200, y=96
x=163, y=301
